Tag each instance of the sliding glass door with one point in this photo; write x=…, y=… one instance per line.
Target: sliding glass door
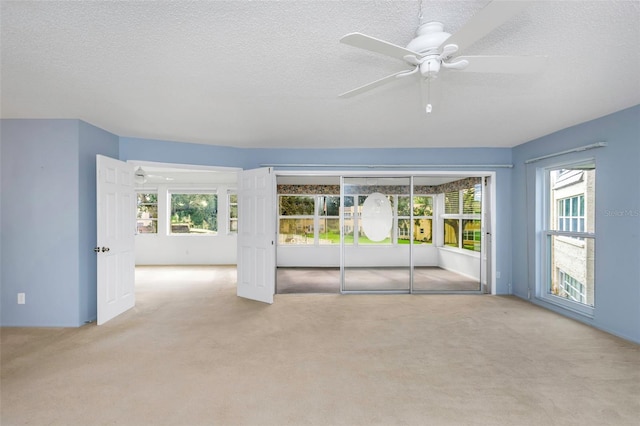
x=447, y=241
x=376, y=232
x=386, y=232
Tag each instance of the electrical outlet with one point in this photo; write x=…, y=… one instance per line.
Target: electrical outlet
x=21, y=299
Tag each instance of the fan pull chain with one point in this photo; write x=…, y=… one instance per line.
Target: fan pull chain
x=429, y=106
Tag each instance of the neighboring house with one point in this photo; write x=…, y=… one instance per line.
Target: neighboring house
x=572, y=207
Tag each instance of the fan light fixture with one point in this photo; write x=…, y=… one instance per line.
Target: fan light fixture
x=432, y=50
x=140, y=176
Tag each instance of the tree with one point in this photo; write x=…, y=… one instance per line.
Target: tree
x=296, y=205
x=199, y=211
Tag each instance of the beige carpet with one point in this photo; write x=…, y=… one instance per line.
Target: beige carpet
x=192, y=353
x=327, y=280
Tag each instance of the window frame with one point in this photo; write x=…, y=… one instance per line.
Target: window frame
x=565, y=279
x=544, y=213
x=230, y=219
x=157, y=204
x=318, y=216
x=192, y=191
x=358, y=233
x=313, y=217
x=569, y=218
x=461, y=217
x=412, y=217
x=355, y=218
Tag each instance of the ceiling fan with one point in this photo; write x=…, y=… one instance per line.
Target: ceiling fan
x=433, y=50
x=141, y=176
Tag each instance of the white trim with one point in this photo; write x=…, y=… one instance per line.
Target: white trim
x=390, y=166
x=458, y=250
x=193, y=190
x=184, y=166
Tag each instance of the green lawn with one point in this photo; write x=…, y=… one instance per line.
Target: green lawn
x=348, y=239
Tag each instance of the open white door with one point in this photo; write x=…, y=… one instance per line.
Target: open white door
x=116, y=218
x=256, y=235
x=487, y=236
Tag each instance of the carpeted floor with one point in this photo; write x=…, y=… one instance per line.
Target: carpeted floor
x=327, y=280
x=192, y=353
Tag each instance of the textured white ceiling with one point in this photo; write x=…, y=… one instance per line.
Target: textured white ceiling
x=267, y=73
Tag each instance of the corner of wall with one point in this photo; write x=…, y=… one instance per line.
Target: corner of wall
x=91, y=142
x=617, y=263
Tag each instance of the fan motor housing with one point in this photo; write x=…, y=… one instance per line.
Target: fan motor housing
x=429, y=37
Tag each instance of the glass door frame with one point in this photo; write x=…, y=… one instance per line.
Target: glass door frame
x=388, y=172
x=343, y=290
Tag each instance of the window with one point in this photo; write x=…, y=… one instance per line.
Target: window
x=571, y=214
x=328, y=219
x=233, y=212
x=462, y=218
x=362, y=238
x=570, y=288
x=422, y=219
x=472, y=200
x=471, y=234
x=194, y=213
x=315, y=220
x=349, y=219
x=147, y=215
x=296, y=219
x=568, y=237
x=452, y=202
x=451, y=230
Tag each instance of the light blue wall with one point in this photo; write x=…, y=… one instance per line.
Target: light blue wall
x=47, y=169
x=617, y=266
x=48, y=193
x=173, y=152
x=40, y=222
x=394, y=156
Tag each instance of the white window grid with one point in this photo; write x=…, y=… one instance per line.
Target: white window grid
x=140, y=220
x=462, y=214
x=571, y=288
x=571, y=214
x=232, y=220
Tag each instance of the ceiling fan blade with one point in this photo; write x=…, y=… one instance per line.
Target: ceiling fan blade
x=378, y=46
x=374, y=84
x=503, y=64
x=490, y=17
x=160, y=177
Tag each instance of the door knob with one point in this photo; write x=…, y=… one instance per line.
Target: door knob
x=96, y=249
x=104, y=249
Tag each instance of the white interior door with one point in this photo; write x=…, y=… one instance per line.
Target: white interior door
x=487, y=236
x=116, y=218
x=256, y=235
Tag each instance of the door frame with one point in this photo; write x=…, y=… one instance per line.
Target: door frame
x=491, y=174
